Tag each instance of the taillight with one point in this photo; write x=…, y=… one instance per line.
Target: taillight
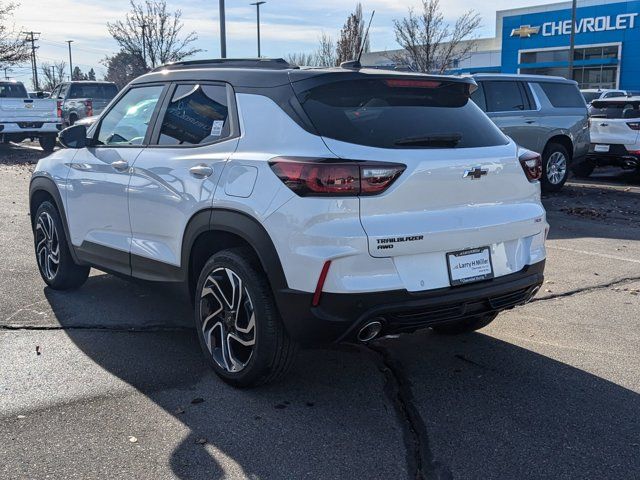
x=89, y=105
x=531, y=164
x=59, y=108
x=634, y=125
x=310, y=177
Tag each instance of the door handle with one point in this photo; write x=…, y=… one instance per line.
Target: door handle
x=201, y=171
x=529, y=121
x=604, y=124
x=120, y=165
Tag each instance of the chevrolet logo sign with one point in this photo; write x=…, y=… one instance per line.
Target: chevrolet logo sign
x=475, y=174
x=525, y=31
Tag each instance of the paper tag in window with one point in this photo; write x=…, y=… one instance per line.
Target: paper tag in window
x=216, y=128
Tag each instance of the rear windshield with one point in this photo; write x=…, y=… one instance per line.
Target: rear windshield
x=399, y=113
x=590, y=96
x=563, y=95
x=601, y=109
x=13, y=90
x=102, y=91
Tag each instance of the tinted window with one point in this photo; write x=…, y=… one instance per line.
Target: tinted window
x=13, y=90
x=590, y=96
x=478, y=97
x=197, y=114
x=603, y=109
x=102, y=91
x=504, y=96
x=613, y=94
x=399, y=113
x=563, y=95
x=126, y=123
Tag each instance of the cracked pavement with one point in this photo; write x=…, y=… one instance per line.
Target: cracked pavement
x=106, y=382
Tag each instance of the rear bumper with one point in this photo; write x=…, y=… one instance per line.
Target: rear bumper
x=618, y=155
x=340, y=316
x=30, y=127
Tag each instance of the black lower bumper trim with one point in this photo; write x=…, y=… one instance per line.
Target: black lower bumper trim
x=340, y=316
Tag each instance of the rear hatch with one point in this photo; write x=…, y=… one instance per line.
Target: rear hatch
x=100, y=94
x=615, y=121
x=16, y=106
x=463, y=186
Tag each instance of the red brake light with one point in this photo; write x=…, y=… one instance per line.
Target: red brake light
x=59, y=108
x=89, y=105
x=325, y=177
x=531, y=164
x=634, y=125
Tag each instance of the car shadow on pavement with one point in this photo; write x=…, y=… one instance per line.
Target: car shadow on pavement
x=328, y=419
x=491, y=409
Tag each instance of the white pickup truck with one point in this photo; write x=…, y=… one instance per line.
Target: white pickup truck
x=22, y=117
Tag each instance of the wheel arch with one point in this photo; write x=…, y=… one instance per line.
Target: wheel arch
x=42, y=189
x=210, y=231
x=562, y=139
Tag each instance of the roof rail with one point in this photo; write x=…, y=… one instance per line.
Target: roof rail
x=267, y=63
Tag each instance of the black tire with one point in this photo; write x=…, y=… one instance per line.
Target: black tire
x=583, y=169
x=465, y=325
x=553, y=178
x=272, y=352
x=66, y=274
x=73, y=118
x=47, y=143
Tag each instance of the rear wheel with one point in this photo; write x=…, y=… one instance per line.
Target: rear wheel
x=238, y=324
x=55, y=262
x=583, y=169
x=47, y=143
x=555, y=167
x=465, y=325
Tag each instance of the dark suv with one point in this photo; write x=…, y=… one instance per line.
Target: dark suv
x=80, y=99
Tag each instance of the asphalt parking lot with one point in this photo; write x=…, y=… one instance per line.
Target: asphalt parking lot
x=108, y=381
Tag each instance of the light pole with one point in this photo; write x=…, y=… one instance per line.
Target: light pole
x=572, y=38
x=70, y=61
x=257, y=4
x=223, y=34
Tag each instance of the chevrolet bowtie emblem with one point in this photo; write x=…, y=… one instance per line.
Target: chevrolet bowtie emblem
x=525, y=31
x=475, y=173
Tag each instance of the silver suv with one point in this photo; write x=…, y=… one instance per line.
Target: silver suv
x=544, y=114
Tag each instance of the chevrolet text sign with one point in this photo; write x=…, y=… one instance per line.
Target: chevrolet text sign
x=623, y=21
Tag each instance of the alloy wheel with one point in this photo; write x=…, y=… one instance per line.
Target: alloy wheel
x=227, y=320
x=556, y=167
x=47, y=246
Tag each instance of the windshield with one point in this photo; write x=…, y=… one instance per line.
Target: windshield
x=13, y=90
x=399, y=113
x=102, y=91
x=590, y=96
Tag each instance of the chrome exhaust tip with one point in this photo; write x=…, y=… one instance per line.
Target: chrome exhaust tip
x=534, y=292
x=370, y=331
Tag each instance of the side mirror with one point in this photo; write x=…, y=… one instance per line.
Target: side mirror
x=74, y=136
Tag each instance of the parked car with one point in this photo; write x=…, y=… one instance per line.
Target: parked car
x=299, y=206
x=22, y=117
x=544, y=114
x=79, y=99
x=614, y=135
x=591, y=94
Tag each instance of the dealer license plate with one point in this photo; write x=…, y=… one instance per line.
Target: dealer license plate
x=468, y=266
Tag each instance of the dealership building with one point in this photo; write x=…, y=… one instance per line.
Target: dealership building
x=535, y=40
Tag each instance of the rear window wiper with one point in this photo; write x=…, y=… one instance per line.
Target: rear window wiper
x=435, y=140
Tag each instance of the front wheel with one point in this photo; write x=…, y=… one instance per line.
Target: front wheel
x=555, y=167
x=47, y=143
x=238, y=325
x=465, y=325
x=55, y=262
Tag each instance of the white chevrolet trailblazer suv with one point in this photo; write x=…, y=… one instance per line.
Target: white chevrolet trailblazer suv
x=300, y=206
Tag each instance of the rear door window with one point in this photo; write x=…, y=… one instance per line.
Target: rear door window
x=196, y=115
x=505, y=96
x=398, y=112
x=563, y=95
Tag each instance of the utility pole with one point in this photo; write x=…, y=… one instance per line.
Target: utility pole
x=5, y=73
x=223, y=33
x=572, y=37
x=70, y=61
x=257, y=4
x=31, y=37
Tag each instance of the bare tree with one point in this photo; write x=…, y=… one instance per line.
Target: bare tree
x=302, y=59
x=352, y=37
x=53, y=74
x=13, y=49
x=429, y=43
x=326, y=53
x=123, y=67
x=153, y=33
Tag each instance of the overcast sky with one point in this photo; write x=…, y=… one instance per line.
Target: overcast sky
x=287, y=25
